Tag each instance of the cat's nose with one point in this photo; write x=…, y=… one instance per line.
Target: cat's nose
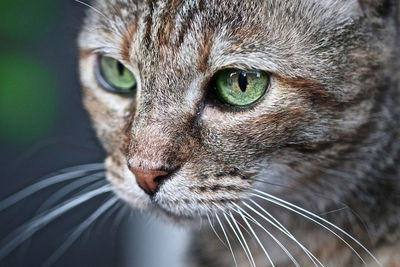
x=149, y=180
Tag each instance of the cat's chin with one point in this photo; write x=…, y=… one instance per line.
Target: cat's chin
x=174, y=218
x=179, y=214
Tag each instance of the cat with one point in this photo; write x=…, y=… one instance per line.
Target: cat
x=277, y=121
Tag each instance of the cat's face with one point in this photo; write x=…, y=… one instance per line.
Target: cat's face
x=196, y=153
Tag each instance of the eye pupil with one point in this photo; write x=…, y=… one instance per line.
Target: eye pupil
x=242, y=81
x=121, y=68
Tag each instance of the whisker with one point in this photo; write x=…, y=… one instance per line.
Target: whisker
x=227, y=239
x=31, y=151
x=79, y=230
x=241, y=226
x=268, y=214
x=58, y=195
x=27, y=230
x=282, y=228
x=322, y=196
x=240, y=212
x=255, y=236
x=121, y=214
x=332, y=211
x=113, y=24
x=303, y=213
x=215, y=232
x=32, y=189
x=315, y=221
x=109, y=213
x=83, y=167
x=241, y=240
x=235, y=233
x=94, y=9
x=303, y=191
x=325, y=221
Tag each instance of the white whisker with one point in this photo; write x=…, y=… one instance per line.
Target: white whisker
x=64, y=191
x=121, y=214
x=244, y=228
x=83, y=167
x=227, y=239
x=241, y=240
x=79, y=230
x=303, y=213
x=215, y=232
x=255, y=236
x=32, y=189
x=94, y=9
x=282, y=228
x=333, y=211
x=106, y=217
x=29, y=229
x=241, y=211
x=113, y=24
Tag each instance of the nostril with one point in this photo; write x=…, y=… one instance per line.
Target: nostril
x=160, y=179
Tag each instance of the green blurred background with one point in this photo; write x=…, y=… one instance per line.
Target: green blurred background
x=28, y=87
x=43, y=128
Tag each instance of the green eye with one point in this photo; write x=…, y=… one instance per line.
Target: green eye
x=115, y=77
x=240, y=87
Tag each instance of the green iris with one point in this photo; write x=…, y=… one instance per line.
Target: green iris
x=240, y=87
x=115, y=77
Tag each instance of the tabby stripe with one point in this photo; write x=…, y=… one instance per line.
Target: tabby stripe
x=229, y=188
x=168, y=19
x=205, y=51
x=311, y=90
x=127, y=39
x=186, y=25
x=149, y=21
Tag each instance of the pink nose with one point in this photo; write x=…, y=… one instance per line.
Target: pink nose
x=148, y=180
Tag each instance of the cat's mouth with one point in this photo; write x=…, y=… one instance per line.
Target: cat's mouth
x=177, y=198
x=130, y=192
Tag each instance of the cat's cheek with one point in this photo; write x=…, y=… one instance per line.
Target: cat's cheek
x=108, y=111
x=107, y=127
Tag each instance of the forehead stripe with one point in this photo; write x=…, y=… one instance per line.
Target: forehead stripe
x=127, y=40
x=168, y=20
x=149, y=21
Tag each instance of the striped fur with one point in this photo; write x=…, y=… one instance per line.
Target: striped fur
x=325, y=136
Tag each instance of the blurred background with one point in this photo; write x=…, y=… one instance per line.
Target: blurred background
x=43, y=128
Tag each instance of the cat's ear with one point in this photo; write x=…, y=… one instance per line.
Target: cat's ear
x=380, y=8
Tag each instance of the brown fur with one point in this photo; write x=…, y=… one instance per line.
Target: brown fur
x=126, y=42
x=324, y=136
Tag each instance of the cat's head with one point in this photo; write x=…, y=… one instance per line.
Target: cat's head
x=205, y=101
